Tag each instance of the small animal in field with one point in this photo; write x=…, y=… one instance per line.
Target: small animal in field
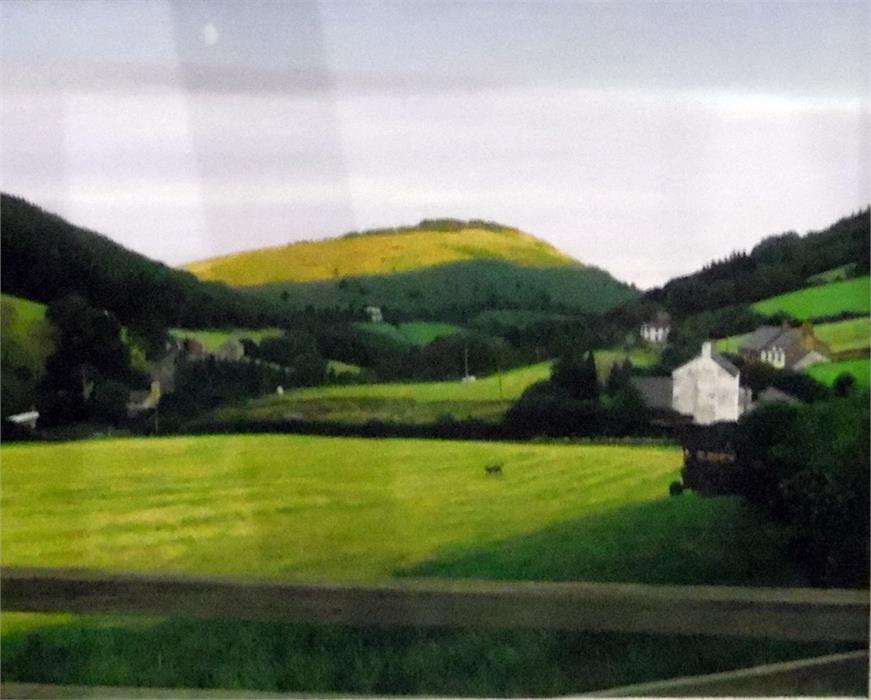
x=493, y=469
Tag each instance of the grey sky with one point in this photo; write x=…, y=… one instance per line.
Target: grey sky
x=643, y=137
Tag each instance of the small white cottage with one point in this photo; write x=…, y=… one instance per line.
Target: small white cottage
x=708, y=389
x=374, y=314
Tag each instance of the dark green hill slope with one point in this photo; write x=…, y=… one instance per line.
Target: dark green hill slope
x=778, y=264
x=45, y=257
x=458, y=291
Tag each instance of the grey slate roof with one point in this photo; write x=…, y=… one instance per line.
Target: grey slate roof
x=656, y=391
x=773, y=394
x=761, y=337
x=725, y=364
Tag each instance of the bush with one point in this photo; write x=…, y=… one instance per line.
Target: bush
x=110, y=401
x=675, y=488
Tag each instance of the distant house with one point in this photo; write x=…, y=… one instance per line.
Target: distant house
x=145, y=400
x=374, y=313
x=25, y=420
x=657, y=330
x=785, y=347
x=231, y=351
x=708, y=388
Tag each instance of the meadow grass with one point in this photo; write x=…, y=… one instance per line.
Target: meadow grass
x=417, y=333
x=423, y=333
x=732, y=344
x=852, y=334
x=835, y=274
x=828, y=372
x=301, y=508
x=420, y=403
x=817, y=302
x=214, y=338
x=339, y=367
x=376, y=254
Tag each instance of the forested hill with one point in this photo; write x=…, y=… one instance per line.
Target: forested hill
x=778, y=264
x=442, y=269
x=45, y=257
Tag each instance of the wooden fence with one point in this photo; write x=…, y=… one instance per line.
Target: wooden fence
x=795, y=613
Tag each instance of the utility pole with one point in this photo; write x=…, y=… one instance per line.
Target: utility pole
x=466, y=362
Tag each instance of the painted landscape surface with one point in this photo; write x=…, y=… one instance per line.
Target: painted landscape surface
x=532, y=408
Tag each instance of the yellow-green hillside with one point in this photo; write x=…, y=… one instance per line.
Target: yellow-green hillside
x=380, y=253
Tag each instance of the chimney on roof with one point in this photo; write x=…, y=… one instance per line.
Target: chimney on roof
x=706, y=348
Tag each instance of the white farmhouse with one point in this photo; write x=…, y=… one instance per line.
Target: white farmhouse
x=374, y=313
x=656, y=331
x=708, y=389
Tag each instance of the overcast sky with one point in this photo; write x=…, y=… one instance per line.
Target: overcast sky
x=645, y=138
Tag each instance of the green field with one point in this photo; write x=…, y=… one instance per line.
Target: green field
x=420, y=403
x=26, y=339
x=835, y=274
x=339, y=367
x=486, y=399
x=418, y=333
x=214, y=338
x=818, y=302
x=841, y=336
x=321, y=509
x=827, y=373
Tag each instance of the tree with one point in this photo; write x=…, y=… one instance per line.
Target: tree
x=89, y=349
x=845, y=384
x=575, y=377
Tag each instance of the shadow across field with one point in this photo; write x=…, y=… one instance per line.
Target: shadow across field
x=320, y=659
x=684, y=540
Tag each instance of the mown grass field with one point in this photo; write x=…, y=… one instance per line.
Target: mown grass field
x=827, y=373
x=325, y=509
x=214, y=338
x=377, y=254
x=817, y=302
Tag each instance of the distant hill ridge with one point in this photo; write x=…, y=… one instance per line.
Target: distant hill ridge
x=386, y=251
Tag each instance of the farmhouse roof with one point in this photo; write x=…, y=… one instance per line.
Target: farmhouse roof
x=762, y=337
x=656, y=391
x=25, y=417
x=775, y=395
x=725, y=364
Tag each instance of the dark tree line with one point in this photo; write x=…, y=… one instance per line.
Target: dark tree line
x=778, y=264
x=46, y=258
